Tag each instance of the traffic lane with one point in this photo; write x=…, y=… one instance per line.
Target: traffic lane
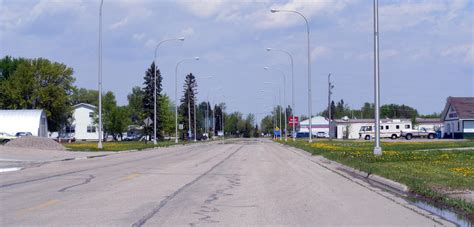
x=116, y=193
x=266, y=184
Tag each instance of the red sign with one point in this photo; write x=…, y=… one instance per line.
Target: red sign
x=293, y=120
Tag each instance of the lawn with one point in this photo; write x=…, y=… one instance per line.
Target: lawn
x=116, y=145
x=428, y=173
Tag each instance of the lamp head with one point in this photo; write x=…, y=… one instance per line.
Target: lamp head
x=274, y=10
x=266, y=68
x=181, y=38
x=196, y=58
x=269, y=49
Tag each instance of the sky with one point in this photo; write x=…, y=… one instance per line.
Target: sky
x=426, y=48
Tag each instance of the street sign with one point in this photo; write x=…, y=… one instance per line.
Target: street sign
x=148, y=121
x=293, y=120
x=181, y=126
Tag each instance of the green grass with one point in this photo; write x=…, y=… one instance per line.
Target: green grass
x=426, y=173
x=116, y=145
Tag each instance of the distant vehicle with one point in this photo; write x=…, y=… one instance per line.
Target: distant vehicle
x=302, y=135
x=5, y=137
x=65, y=139
x=21, y=134
x=132, y=138
x=387, y=130
x=422, y=132
x=321, y=135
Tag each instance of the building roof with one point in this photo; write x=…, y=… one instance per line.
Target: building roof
x=464, y=107
x=318, y=120
x=353, y=121
x=85, y=105
x=13, y=121
x=428, y=121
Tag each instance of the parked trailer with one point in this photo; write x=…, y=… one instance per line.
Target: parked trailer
x=387, y=130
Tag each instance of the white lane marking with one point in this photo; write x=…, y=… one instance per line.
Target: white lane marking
x=3, y=170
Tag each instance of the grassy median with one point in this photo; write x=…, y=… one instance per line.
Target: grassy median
x=425, y=169
x=116, y=145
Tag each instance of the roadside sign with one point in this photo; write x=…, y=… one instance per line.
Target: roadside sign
x=181, y=126
x=293, y=120
x=220, y=133
x=148, y=121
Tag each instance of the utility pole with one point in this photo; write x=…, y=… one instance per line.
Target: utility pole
x=330, y=87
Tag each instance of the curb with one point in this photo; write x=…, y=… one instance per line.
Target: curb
x=343, y=169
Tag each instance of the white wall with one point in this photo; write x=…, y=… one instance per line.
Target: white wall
x=81, y=121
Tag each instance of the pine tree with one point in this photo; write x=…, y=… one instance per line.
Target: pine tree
x=148, y=100
x=188, y=102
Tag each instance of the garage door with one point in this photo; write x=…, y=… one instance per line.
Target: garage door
x=469, y=126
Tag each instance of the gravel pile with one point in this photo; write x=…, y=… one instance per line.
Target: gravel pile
x=36, y=142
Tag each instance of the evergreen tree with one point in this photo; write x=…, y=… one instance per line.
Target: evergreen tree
x=187, y=107
x=148, y=100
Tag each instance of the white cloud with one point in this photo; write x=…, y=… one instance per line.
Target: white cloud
x=466, y=52
x=119, y=24
x=139, y=37
x=202, y=8
x=320, y=52
x=189, y=31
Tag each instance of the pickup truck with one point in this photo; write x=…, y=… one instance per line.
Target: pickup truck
x=422, y=132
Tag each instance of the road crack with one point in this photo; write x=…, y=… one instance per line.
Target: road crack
x=86, y=181
x=163, y=203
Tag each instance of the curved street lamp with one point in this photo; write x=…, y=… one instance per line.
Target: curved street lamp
x=176, y=94
x=154, y=85
x=292, y=86
x=309, y=68
x=284, y=96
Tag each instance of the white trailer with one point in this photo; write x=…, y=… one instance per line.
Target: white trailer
x=388, y=129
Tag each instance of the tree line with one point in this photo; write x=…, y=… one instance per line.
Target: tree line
x=44, y=84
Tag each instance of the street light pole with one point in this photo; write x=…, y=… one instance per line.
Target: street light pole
x=154, y=85
x=330, y=87
x=310, y=111
x=99, y=144
x=292, y=88
x=176, y=95
x=284, y=98
x=377, y=148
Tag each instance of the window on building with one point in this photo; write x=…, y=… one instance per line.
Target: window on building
x=459, y=126
x=91, y=129
x=397, y=127
x=407, y=126
x=91, y=114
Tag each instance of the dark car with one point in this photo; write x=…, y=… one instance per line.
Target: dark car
x=132, y=138
x=302, y=135
x=21, y=134
x=65, y=139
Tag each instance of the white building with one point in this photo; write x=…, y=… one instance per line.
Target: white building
x=349, y=128
x=318, y=124
x=83, y=122
x=458, y=117
x=34, y=121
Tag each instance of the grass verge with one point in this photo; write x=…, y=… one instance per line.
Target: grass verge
x=116, y=145
x=429, y=174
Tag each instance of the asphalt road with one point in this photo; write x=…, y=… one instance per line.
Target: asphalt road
x=241, y=183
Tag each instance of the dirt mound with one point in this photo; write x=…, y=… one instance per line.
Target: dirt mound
x=36, y=142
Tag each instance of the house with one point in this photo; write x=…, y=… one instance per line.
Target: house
x=458, y=117
x=83, y=126
x=318, y=124
x=346, y=128
x=34, y=121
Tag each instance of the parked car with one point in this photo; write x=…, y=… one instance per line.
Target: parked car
x=21, y=134
x=321, y=135
x=422, y=132
x=65, y=139
x=5, y=137
x=132, y=138
x=302, y=135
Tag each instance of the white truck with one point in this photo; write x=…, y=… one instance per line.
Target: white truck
x=388, y=129
x=418, y=133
